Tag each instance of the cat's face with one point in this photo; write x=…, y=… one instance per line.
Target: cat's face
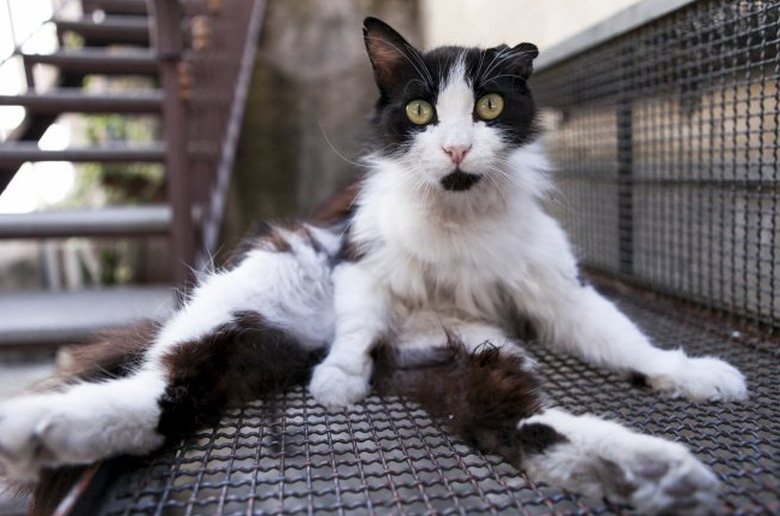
x=450, y=116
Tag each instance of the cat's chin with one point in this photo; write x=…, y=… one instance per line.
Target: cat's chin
x=459, y=181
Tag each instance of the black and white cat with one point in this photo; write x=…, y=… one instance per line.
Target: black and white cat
x=434, y=253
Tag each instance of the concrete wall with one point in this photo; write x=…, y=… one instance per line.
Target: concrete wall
x=310, y=93
x=492, y=22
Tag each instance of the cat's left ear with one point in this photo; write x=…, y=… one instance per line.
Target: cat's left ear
x=522, y=59
x=388, y=51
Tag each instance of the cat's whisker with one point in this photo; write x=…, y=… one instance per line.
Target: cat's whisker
x=479, y=64
x=510, y=54
x=490, y=66
x=500, y=58
x=552, y=190
x=334, y=149
x=513, y=75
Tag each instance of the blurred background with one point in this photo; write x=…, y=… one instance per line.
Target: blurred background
x=310, y=90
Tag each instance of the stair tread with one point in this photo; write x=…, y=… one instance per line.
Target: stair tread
x=99, y=60
x=115, y=220
x=18, y=152
x=117, y=6
x=41, y=317
x=77, y=100
x=113, y=28
x=123, y=21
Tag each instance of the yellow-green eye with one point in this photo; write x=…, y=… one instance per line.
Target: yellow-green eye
x=419, y=112
x=490, y=106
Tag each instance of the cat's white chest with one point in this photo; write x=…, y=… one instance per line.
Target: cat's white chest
x=449, y=269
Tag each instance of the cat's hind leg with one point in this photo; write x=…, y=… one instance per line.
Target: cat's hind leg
x=490, y=396
x=250, y=329
x=601, y=458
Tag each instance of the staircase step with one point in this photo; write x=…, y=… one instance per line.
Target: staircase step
x=51, y=318
x=111, y=221
x=99, y=61
x=116, y=6
x=111, y=29
x=14, y=153
x=76, y=100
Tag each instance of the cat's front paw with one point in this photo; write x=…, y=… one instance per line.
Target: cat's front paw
x=334, y=386
x=702, y=379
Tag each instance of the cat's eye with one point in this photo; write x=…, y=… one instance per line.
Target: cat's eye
x=419, y=112
x=489, y=106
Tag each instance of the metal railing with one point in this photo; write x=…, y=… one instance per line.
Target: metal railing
x=666, y=138
x=205, y=87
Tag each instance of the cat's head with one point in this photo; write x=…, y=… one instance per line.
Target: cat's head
x=450, y=116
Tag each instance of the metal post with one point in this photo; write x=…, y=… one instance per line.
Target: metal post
x=625, y=157
x=168, y=39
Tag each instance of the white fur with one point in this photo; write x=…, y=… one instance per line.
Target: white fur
x=600, y=458
x=90, y=421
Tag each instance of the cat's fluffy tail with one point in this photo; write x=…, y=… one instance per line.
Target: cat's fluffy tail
x=479, y=395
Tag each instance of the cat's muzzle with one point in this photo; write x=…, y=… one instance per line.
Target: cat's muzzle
x=459, y=181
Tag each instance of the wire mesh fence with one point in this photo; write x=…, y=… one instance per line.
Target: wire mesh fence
x=667, y=144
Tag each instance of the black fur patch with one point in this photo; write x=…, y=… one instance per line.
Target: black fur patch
x=481, y=396
x=241, y=360
x=535, y=438
x=459, y=181
x=637, y=379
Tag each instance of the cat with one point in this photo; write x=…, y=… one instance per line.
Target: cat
x=412, y=281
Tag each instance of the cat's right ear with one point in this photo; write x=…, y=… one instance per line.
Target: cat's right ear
x=388, y=51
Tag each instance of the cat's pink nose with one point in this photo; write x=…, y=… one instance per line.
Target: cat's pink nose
x=457, y=153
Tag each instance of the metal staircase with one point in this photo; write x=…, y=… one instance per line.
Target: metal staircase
x=199, y=55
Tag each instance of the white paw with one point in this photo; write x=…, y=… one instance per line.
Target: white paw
x=333, y=386
x=33, y=435
x=702, y=379
x=599, y=458
x=658, y=477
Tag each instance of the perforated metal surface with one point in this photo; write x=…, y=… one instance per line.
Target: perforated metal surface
x=288, y=455
x=666, y=140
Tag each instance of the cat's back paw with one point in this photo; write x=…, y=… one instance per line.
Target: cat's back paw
x=602, y=459
x=702, y=379
x=25, y=426
x=55, y=429
x=667, y=480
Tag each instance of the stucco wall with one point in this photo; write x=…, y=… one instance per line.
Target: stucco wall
x=491, y=22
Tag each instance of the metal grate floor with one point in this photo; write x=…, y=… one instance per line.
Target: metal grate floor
x=288, y=455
